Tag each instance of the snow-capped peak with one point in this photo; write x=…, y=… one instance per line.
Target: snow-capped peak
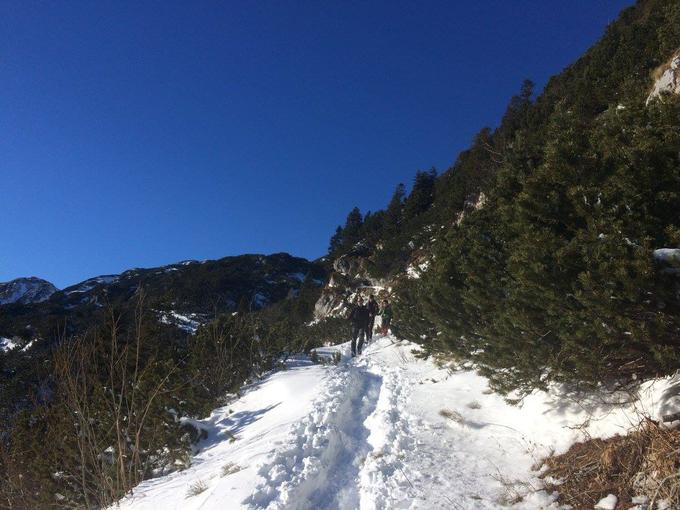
x=26, y=290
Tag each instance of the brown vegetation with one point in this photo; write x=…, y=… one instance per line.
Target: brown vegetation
x=646, y=462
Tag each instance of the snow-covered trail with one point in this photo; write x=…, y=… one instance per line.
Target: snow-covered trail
x=385, y=430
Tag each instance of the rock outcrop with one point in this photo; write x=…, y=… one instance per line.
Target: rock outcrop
x=668, y=80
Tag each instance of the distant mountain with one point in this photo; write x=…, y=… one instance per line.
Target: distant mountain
x=184, y=294
x=26, y=291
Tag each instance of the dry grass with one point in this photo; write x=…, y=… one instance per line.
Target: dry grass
x=196, y=488
x=230, y=468
x=646, y=462
x=452, y=415
x=656, y=73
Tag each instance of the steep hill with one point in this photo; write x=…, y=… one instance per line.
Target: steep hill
x=533, y=255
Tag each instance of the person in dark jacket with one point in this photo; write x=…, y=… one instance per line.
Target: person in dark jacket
x=372, y=312
x=359, y=319
x=386, y=317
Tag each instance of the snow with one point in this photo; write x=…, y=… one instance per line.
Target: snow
x=7, y=344
x=189, y=323
x=26, y=290
x=387, y=430
x=668, y=259
x=640, y=500
x=607, y=503
x=28, y=345
x=668, y=82
x=667, y=255
x=414, y=272
x=91, y=283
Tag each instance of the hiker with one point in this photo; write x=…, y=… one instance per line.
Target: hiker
x=359, y=318
x=372, y=312
x=386, y=317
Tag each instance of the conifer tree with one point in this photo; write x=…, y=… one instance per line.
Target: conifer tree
x=422, y=194
x=336, y=241
x=352, y=230
x=394, y=212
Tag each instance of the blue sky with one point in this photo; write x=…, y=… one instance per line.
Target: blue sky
x=135, y=134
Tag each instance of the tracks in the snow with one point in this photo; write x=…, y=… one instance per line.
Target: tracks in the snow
x=320, y=465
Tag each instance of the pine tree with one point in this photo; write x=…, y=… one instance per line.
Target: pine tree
x=422, y=194
x=352, y=230
x=394, y=212
x=336, y=241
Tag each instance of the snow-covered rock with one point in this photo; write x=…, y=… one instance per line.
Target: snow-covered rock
x=469, y=206
x=668, y=81
x=350, y=265
x=189, y=322
x=667, y=259
x=416, y=269
x=667, y=255
x=329, y=304
x=26, y=290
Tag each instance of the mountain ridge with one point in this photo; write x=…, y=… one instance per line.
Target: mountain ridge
x=26, y=290
x=204, y=288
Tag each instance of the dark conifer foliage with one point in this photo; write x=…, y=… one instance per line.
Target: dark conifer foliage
x=422, y=194
x=542, y=233
x=394, y=214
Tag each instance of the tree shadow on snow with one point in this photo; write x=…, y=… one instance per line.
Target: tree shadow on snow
x=229, y=426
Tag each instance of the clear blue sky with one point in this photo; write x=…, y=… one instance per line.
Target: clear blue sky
x=135, y=134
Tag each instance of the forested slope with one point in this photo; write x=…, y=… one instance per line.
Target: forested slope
x=541, y=236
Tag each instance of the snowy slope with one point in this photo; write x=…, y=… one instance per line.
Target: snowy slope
x=25, y=290
x=386, y=430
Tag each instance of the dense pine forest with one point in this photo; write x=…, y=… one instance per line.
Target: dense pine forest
x=541, y=236
x=537, y=247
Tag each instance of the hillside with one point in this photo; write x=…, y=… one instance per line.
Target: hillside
x=533, y=255
x=194, y=289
